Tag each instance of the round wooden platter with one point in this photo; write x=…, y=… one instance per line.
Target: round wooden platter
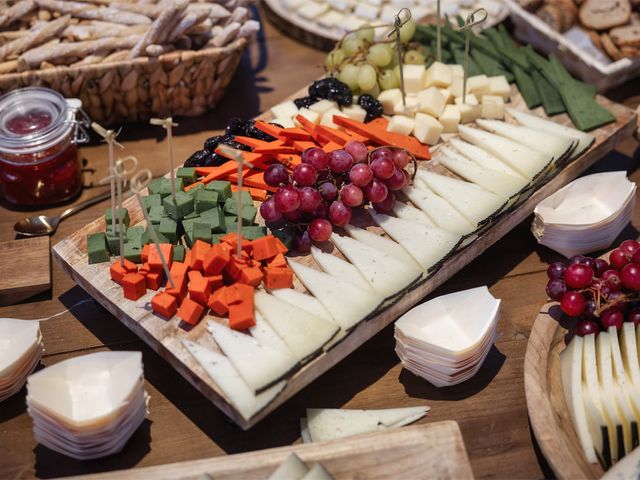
x=548, y=411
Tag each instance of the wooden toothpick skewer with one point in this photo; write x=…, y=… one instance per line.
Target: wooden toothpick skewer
x=168, y=124
x=397, y=24
x=138, y=183
x=121, y=173
x=438, y=34
x=469, y=23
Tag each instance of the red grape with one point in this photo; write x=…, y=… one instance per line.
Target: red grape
x=578, y=275
x=400, y=159
x=572, y=303
x=305, y=175
x=322, y=211
x=339, y=213
x=376, y=191
x=586, y=327
x=310, y=199
x=611, y=279
x=589, y=309
x=328, y=191
x=634, y=316
x=589, y=262
x=340, y=161
x=556, y=288
x=287, y=199
x=611, y=317
x=361, y=174
x=556, y=270
x=383, y=152
x=385, y=206
x=630, y=275
x=576, y=259
x=351, y=195
x=320, y=230
x=618, y=300
x=635, y=258
x=316, y=157
x=629, y=246
x=618, y=259
x=302, y=243
x=276, y=175
x=294, y=216
x=357, y=150
x=601, y=267
x=269, y=212
x=383, y=168
x=398, y=180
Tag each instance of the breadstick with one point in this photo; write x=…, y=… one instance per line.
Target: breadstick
x=228, y=34
x=240, y=15
x=157, y=30
x=90, y=60
x=201, y=28
x=8, y=67
x=18, y=10
x=249, y=28
x=151, y=11
x=157, y=50
x=89, y=31
x=212, y=10
x=38, y=36
x=82, y=10
x=188, y=21
x=116, y=56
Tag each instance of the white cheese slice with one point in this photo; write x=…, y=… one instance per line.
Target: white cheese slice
x=366, y=11
x=431, y=101
x=318, y=472
x=499, y=86
x=293, y=4
x=380, y=242
x=598, y=427
x=492, y=107
x=322, y=106
x=347, y=303
x=384, y=273
x=629, y=350
x=552, y=145
x=483, y=158
x=626, y=469
x=259, y=365
x=525, y=160
x=304, y=333
x=339, y=268
x=284, y=122
x=389, y=99
x=284, y=110
x=450, y=119
x=233, y=386
x=291, y=469
x=428, y=245
x=411, y=213
x=471, y=200
x=312, y=10
x=401, y=124
x=413, y=78
x=439, y=210
x=352, y=22
x=266, y=335
x=479, y=85
x=388, y=13
x=355, y=112
x=313, y=117
x=335, y=423
x=438, y=75
x=427, y=129
x=627, y=389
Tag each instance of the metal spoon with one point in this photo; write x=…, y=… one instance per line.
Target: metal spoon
x=43, y=225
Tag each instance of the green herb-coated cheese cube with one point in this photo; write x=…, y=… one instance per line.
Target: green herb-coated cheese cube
x=97, y=249
x=113, y=239
x=253, y=232
x=151, y=201
x=246, y=197
x=178, y=253
x=133, y=253
x=122, y=215
x=155, y=186
x=134, y=235
x=191, y=216
x=206, y=200
x=156, y=214
x=187, y=174
x=201, y=231
x=222, y=188
x=249, y=215
x=194, y=191
x=146, y=236
x=169, y=228
x=165, y=187
x=230, y=223
x=215, y=218
x=187, y=223
x=182, y=206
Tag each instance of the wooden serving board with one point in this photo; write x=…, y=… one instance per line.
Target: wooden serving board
x=548, y=411
x=165, y=337
x=433, y=450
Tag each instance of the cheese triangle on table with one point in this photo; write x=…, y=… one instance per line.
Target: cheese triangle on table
x=318, y=472
x=428, y=245
x=411, y=213
x=347, y=303
x=304, y=430
x=439, y=210
x=261, y=366
x=264, y=333
x=304, y=333
x=482, y=158
x=334, y=423
x=381, y=242
x=291, y=469
x=227, y=378
x=385, y=274
x=339, y=268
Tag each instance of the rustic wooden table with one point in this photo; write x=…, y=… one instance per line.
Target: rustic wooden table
x=183, y=425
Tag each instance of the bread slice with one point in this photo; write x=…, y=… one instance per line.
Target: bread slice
x=628, y=36
x=604, y=14
x=552, y=15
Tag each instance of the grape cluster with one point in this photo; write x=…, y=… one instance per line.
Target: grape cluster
x=324, y=188
x=598, y=293
x=369, y=67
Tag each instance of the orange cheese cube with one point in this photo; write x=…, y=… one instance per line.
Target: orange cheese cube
x=190, y=311
x=134, y=286
x=264, y=248
x=278, y=278
x=198, y=253
x=118, y=270
x=216, y=259
x=153, y=258
x=217, y=302
x=164, y=304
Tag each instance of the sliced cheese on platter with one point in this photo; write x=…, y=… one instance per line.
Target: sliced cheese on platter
x=482, y=158
x=598, y=428
x=291, y=469
x=347, y=303
x=265, y=334
x=304, y=333
x=261, y=366
x=527, y=161
x=380, y=242
x=335, y=423
x=318, y=472
x=227, y=378
x=339, y=268
x=629, y=352
x=428, y=245
x=411, y=213
x=438, y=210
x=303, y=301
x=384, y=273
x=630, y=392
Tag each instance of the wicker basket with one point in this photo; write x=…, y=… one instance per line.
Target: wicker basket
x=178, y=83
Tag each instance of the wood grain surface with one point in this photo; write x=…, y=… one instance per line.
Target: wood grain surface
x=26, y=269
x=419, y=452
x=183, y=425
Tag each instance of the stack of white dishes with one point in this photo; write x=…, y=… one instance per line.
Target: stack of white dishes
x=20, y=352
x=586, y=215
x=446, y=340
x=88, y=407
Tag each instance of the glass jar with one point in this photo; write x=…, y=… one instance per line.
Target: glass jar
x=39, y=133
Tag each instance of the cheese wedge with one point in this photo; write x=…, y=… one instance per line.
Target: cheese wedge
x=627, y=389
x=382, y=271
x=335, y=423
x=525, y=160
x=438, y=210
x=482, y=158
x=380, y=242
x=411, y=213
x=318, y=472
x=261, y=366
x=428, y=245
x=291, y=469
x=471, y=200
x=266, y=335
x=339, y=268
x=598, y=428
x=347, y=303
x=629, y=351
x=303, y=301
x=303, y=333
x=233, y=386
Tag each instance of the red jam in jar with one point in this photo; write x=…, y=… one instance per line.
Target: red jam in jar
x=39, y=163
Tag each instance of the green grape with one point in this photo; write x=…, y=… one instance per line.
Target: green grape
x=367, y=78
x=349, y=75
x=374, y=92
x=407, y=31
x=334, y=59
x=351, y=46
x=414, y=57
x=380, y=54
x=366, y=35
x=388, y=80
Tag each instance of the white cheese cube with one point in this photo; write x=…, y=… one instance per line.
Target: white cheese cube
x=374, y=2
x=369, y=12
x=408, y=108
x=341, y=5
x=492, y=107
x=285, y=122
x=327, y=117
x=331, y=19
x=457, y=70
x=313, y=117
x=355, y=112
x=284, y=110
x=413, y=78
x=447, y=94
x=322, y=106
x=352, y=23
x=469, y=99
x=431, y=101
x=401, y=124
x=427, y=129
x=456, y=87
x=470, y=110
x=499, y=86
x=478, y=85
x=450, y=119
x=389, y=99
x=293, y=4
x=438, y=75
x=312, y=10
